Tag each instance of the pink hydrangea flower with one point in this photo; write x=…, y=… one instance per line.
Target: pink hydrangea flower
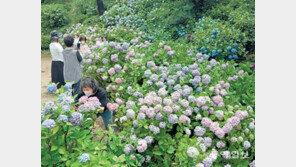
x=167, y=48
x=119, y=101
x=167, y=102
x=112, y=107
x=176, y=96
x=157, y=108
x=104, y=50
x=143, y=109
x=111, y=71
x=223, y=92
x=233, y=121
x=118, y=80
x=176, y=108
x=214, y=127
x=83, y=99
x=141, y=101
x=241, y=72
x=206, y=122
x=157, y=100
x=93, y=99
x=167, y=109
x=227, y=128
x=219, y=133
x=162, y=92
x=187, y=112
x=150, y=113
x=142, y=145
x=226, y=85
x=184, y=119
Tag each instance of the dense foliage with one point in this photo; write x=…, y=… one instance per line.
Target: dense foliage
x=172, y=104
x=164, y=19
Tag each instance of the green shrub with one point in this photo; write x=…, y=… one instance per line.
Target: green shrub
x=53, y=16
x=45, y=41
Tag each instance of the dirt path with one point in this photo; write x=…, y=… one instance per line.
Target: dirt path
x=45, y=77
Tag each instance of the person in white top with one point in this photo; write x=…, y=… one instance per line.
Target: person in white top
x=83, y=47
x=76, y=40
x=57, y=64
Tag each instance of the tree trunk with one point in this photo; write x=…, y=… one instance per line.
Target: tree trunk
x=101, y=7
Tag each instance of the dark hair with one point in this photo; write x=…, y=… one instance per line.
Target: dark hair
x=89, y=82
x=69, y=40
x=82, y=38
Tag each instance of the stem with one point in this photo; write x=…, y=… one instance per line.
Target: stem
x=65, y=138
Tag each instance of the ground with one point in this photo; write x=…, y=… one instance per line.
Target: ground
x=45, y=77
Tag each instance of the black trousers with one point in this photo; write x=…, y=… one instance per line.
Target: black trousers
x=57, y=73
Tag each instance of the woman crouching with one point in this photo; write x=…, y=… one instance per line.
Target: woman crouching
x=89, y=87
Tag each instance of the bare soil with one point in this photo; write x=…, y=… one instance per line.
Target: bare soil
x=45, y=77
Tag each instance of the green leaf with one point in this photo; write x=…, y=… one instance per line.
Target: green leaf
x=53, y=148
x=157, y=153
x=62, y=150
x=55, y=130
x=171, y=150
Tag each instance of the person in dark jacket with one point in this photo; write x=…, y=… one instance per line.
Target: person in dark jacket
x=89, y=87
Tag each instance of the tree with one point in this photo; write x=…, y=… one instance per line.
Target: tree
x=101, y=7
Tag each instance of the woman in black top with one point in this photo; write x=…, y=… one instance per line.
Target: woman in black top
x=89, y=87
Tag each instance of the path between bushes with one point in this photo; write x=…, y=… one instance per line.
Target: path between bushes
x=45, y=78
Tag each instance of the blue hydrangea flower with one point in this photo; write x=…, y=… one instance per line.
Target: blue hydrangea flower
x=66, y=108
x=154, y=78
x=235, y=56
x=213, y=36
x=229, y=57
x=51, y=88
x=233, y=50
x=219, y=51
x=147, y=73
x=149, y=139
x=49, y=123
x=63, y=118
x=49, y=105
x=84, y=158
x=235, y=45
x=229, y=48
x=68, y=86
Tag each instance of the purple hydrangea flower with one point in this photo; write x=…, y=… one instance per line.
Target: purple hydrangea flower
x=162, y=124
x=173, y=118
x=76, y=118
x=130, y=113
x=199, y=131
x=128, y=148
x=159, y=116
x=206, y=79
x=247, y=144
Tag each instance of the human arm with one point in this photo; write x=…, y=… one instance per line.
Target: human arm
x=79, y=58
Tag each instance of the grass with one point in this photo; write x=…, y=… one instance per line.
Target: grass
x=45, y=53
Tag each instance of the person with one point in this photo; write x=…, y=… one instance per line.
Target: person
x=105, y=41
x=72, y=59
x=83, y=47
x=89, y=87
x=76, y=40
x=57, y=64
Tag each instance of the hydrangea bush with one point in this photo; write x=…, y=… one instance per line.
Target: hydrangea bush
x=173, y=105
